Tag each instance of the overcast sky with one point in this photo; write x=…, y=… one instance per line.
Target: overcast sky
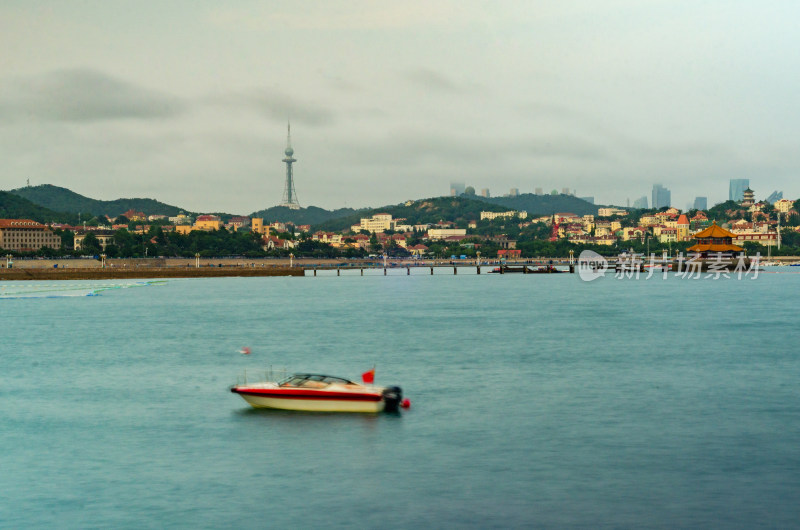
x=187, y=101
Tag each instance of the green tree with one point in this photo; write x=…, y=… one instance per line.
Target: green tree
x=91, y=245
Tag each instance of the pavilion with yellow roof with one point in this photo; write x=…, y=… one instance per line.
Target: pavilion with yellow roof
x=715, y=240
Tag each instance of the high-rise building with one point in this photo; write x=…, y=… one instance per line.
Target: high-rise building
x=457, y=188
x=590, y=200
x=774, y=197
x=289, y=195
x=661, y=196
x=736, y=189
x=485, y=193
x=640, y=203
x=538, y=191
x=701, y=203
x=565, y=191
x=514, y=192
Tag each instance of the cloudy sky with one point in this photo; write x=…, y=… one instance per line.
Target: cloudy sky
x=187, y=101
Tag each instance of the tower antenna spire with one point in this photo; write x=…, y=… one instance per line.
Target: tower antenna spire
x=289, y=194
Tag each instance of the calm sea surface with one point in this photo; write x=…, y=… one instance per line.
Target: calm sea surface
x=537, y=401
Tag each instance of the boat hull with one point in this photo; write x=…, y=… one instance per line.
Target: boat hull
x=310, y=403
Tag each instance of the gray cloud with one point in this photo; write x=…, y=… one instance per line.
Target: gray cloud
x=83, y=95
x=431, y=80
x=276, y=106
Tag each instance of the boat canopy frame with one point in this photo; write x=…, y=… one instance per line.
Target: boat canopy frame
x=322, y=378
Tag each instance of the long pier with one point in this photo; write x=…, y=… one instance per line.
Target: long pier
x=494, y=268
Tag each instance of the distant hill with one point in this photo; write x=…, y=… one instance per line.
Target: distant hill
x=16, y=207
x=64, y=200
x=304, y=216
x=537, y=205
x=458, y=209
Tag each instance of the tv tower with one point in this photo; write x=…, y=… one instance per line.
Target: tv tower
x=289, y=195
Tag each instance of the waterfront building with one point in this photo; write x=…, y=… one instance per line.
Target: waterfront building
x=274, y=242
x=783, y=205
x=378, y=223
x=700, y=203
x=508, y=253
x=638, y=232
x=648, y=220
x=668, y=235
x=443, y=233
x=257, y=226
x=607, y=240
x=682, y=226
x=509, y=214
x=608, y=212
x=714, y=240
x=566, y=217
x=736, y=189
x=104, y=237
x=418, y=250
x=698, y=222
x=661, y=196
x=181, y=219
x=503, y=241
x=207, y=223
x=25, y=235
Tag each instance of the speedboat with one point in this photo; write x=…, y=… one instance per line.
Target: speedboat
x=321, y=393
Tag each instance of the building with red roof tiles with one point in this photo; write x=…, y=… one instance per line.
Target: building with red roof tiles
x=26, y=235
x=418, y=250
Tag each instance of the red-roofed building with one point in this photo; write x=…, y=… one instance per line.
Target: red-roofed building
x=25, y=235
x=509, y=253
x=682, y=227
x=418, y=250
x=133, y=215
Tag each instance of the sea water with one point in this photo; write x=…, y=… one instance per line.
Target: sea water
x=537, y=401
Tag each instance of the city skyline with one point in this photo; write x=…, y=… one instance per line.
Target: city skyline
x=589, y=97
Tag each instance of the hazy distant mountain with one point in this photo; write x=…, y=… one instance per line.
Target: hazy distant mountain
x=304, y=216
x=15, y=207
x=537, y=205
x=64, y=200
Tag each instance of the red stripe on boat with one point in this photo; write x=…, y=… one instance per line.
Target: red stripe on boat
x=292, y=393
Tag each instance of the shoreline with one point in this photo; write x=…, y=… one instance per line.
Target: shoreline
x=115, y=273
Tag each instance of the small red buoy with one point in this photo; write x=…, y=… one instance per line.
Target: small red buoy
x=406, y=403
x=245, y=351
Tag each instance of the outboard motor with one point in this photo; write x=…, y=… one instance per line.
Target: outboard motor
x=392, y=396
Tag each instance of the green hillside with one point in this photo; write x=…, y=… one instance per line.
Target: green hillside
x=537, y=205
x=15, y=207
x=460, y=210
x=64, y=200
x=304, y=216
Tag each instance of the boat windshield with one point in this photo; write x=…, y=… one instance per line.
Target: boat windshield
x=313, y=380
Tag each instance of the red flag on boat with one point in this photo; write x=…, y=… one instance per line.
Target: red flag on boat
x=368, y=376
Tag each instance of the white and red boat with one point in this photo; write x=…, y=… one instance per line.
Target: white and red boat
x=321, y=393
